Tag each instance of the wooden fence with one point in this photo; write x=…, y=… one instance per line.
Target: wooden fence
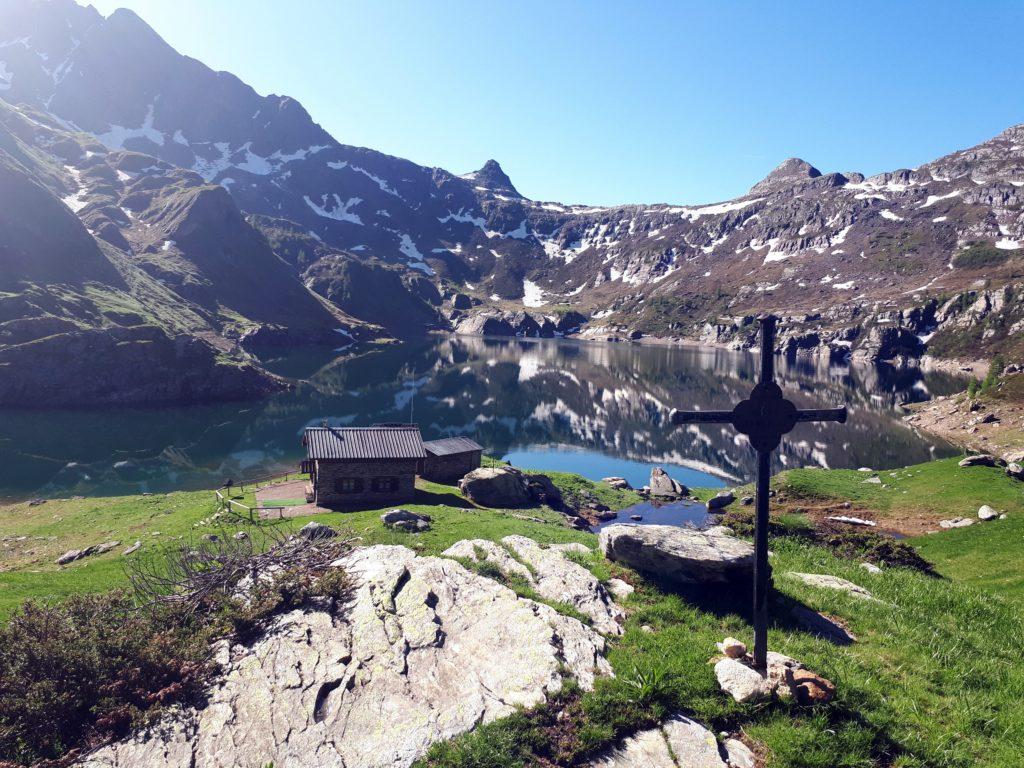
x=226, y=502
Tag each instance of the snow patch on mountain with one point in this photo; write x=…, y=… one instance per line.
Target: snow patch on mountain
x=6, y=77
x=119, y=134
x=340, y=211
x=533, y=295
x=465, y=218
x=412, y=253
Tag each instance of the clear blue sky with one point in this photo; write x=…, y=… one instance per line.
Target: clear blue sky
x=609, y=102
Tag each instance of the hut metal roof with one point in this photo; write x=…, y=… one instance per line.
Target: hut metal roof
x=364, y=443
x=451, y=445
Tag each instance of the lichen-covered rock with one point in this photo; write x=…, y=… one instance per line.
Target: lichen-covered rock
x=678, y=742
x=422, y=651
x=678, y=555
x=557, y=578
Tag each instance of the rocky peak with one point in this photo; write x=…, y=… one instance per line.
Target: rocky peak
x=789, y=172
x=494, y=178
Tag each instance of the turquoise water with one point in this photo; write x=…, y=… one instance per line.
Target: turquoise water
x=596, y=466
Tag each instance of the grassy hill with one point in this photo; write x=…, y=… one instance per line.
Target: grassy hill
x=934, y=678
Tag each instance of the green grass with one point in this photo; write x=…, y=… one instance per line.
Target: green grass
x=934, y=679
x=989, y=555
x=939, y=488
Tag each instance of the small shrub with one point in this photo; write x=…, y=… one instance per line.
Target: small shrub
x=90, y=669
x=972, y=388
x=979, y=256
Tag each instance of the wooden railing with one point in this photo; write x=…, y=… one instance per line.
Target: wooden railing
x=226, y=502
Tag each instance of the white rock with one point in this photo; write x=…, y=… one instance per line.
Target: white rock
x=742, y=682
x=870, y=567
x=986, y=513
x=422, y=651
x=732, y=648
x=832, y=582
x=739, y=755
x=679, y=742
x=620, y=589
x=956, y=522
x=851, y=520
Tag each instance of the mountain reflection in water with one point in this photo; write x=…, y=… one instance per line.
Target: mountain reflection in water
x=536, y=397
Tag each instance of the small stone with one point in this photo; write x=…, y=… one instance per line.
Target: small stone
x=851, y=520
x=739, y=755
x=746, y=501
x=986, y=513
x=636, y=517
x=619, y=483
x=619, y=588
x=105, y=547
x=240, y=536
x=647, y=628
x=133, y=548
x=979, y=460
x=874, y=480
x=732, y=648
x=70, y=556
x=870, y=567
x=956, y=522
x=1015, y=470
x=810, y=688
x=742, y=682
x=721, y=500
x=314, y=530
x=36, y=502
x=825, y=581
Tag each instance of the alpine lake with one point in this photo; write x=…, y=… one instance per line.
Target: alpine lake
x=598, y=409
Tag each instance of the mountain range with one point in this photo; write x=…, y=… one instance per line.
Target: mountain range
x=162, y=223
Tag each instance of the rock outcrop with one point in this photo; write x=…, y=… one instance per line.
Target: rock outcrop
x=550, y=573
x=678, y=555
x=422, y=651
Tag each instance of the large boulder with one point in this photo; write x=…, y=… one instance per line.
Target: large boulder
x=509, y=487
x=664, y=486
x=404, y=520
x=678, y=555
x=497, y=487
x=422, y=651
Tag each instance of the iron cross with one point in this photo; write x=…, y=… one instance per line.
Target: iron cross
x=764, y=418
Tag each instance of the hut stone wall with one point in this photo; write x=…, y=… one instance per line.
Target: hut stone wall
x=365, y=482
x=447, y=469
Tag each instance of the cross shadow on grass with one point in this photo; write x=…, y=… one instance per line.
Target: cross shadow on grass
x=736, y=599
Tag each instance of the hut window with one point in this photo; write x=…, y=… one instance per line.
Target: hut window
x=349, y=485
x=385, y=484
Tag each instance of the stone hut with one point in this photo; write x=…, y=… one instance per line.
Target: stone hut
x=450, y=459
x=363, y=466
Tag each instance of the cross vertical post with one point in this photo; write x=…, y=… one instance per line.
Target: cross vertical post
x=764, y=417
x=762, y=569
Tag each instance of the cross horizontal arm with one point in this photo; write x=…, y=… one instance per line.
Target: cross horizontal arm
x=701, y=417
x=822, y=414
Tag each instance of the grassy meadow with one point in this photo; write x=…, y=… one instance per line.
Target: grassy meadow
x=934, y=677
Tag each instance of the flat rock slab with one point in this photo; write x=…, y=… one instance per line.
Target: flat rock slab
x=422, y=651
x=678, y=743
x=825, y=581
x=678, y=555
